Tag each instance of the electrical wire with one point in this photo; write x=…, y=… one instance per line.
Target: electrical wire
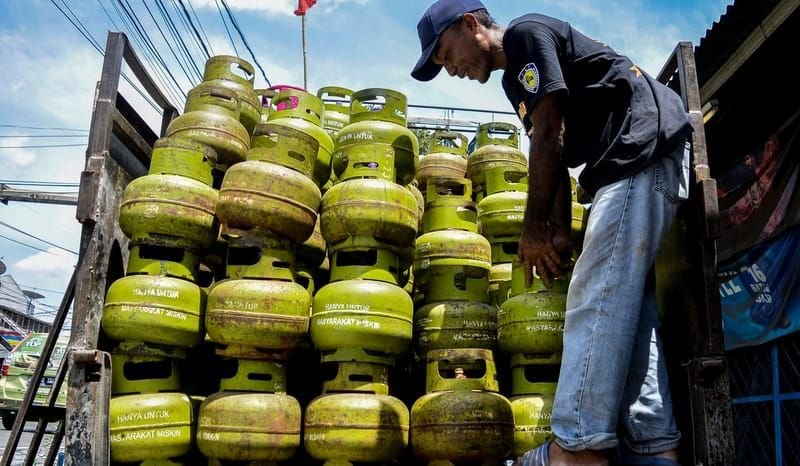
x=200, y=25
x=187, y=21
x=97, y=47
x=58, y=224
x=158, y=75
x=44, y=146
x=13, y=298
x=178, y=37
x=139, y=27
x=224, y=23
x=28, y=245
x=35, y=313
x=36, y=237
x=169, y=46
x=244, y=40
x=136, y=29
x=65, y=184
x=60, y=292
x=158, y=72
x=43, y=128
x=9, y=136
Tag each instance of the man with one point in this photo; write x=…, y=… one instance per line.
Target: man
x=586, y=104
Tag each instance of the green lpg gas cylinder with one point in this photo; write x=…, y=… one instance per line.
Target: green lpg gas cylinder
x=500, y=283
x=462, y=405
x=216, y=462
x=138, y=369
x=372, y=209
x=302, y=111
x=237, y=75
x=449, y=206
x=504, y=249
x=341, y=428
x=449, y=283
x=453, y=249
x=531, y=322
x=158, y=260
x=271, y=196
x=212, y=118
x=497, y=145
x=337, y=108
x=167, y=462
x=247, y=426
x=184, y=157
x=367, y=314
x=314, y=250
x=447, y=158
x=285, y=146
x=250, y=375
x=150, y=426
x=154, y=309
x=269, y=314
x=260, y=257
x=259, y=304
x=365, y=263
x=455, y=324
x=174, y=205
x=501, y=212
x=377, y=143
x=532, y=403
x=420, y=203
x=580, y=217
x=355, y=370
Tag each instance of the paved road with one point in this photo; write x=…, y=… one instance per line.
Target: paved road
x=22, y=448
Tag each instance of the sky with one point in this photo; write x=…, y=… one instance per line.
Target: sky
x=50, y=71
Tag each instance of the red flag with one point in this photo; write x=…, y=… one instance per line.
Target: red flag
x=303, y=6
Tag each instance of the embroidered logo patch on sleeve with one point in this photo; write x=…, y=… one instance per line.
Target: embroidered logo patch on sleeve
x=529, y=77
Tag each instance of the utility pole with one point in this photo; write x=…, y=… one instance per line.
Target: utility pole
x=42, y=197
x=305, y=53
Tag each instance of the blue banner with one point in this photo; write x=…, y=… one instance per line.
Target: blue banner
x=759, y=292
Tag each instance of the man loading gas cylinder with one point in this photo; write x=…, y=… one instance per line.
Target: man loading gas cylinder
x=586, y=105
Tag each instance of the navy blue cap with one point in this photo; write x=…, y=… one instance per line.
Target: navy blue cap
x=433, y=23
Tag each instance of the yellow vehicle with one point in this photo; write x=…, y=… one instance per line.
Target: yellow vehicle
x=18, y=369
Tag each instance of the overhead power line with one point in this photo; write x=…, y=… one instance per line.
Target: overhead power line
x=44, y=128
x=200, y=26
x=139, y=27
x=59, y=136
x=40, y=289
x=65, y=184
x=159, y=75
x=224, y=23
x=36, y=237
x=178, y=38
x=44, y=146
x=188, y=20
x=175, y=55
x=244, y=40
x=27, y=245
x=86, y=35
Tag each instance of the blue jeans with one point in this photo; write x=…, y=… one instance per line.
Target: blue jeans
x=613, y=371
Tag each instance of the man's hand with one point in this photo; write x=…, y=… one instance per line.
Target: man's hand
x=562, y=241
x=536, y=249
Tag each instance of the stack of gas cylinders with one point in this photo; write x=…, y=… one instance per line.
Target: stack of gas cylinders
x=303, y=288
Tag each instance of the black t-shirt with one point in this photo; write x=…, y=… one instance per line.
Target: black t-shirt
x=617, y=118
